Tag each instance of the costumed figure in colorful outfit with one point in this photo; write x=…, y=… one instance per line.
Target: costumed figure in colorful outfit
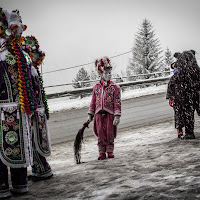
x=105, y=107
x=183, y=93
x=17, y=104
x=41, y=140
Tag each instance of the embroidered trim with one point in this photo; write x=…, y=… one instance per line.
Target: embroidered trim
x=24, y=140
x=8, y=85
x=27, y=58
x=10, y=59
x=44, y=97
x=37, y=126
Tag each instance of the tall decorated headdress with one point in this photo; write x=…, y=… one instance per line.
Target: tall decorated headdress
x=102, y=65
x=31, y=46
x=11, y=28
x=10, y=24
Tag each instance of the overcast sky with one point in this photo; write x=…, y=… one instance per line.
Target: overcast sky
x=73, y=32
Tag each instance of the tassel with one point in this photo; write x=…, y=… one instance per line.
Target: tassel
x=78, y=143
x=2, y=116
x=17, y=114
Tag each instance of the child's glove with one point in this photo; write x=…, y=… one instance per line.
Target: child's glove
x=90, y=117
x=171, y=102
x=116, y=120
x=175, y=70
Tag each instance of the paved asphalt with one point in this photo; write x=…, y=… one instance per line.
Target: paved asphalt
x=137, y=112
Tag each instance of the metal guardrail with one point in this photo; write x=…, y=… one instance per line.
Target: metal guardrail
x=80, y=91
x=114, y=78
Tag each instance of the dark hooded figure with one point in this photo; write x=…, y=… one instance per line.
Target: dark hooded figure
x=183, y=92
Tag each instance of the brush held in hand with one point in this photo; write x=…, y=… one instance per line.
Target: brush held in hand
x=78, y=142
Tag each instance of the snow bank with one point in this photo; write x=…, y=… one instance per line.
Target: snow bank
x=64, y=103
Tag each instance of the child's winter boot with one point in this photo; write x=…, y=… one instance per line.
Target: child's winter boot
x=180, y=134
x=110, y=155
x=102, y=156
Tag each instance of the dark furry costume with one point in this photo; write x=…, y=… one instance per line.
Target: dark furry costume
x=183, y=89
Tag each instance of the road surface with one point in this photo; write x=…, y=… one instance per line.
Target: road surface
x=146, y=110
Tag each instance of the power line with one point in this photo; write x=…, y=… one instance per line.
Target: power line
x=85, y=64
x=121, y=54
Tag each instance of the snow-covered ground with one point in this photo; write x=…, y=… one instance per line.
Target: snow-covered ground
x=64, y=103
x=150, y=163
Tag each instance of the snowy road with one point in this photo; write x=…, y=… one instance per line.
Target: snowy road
x=136, y=112
x=150, y=163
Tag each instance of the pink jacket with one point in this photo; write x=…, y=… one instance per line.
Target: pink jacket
x=106, y=98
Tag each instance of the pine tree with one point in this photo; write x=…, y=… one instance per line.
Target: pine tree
x=168, y=59
x=146, y=51
x=82, y=75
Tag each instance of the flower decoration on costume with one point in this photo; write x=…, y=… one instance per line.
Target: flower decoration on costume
x=32, y=47
x=10, y=59
x=5, y=32
x=8, y=151
x=11, y=137
x=15, y=151
x=102, y=65
x=11, y=24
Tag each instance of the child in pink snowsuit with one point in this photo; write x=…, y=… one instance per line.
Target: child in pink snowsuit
x=105, y=107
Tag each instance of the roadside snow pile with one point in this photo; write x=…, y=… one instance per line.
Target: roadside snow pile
x=64, y=103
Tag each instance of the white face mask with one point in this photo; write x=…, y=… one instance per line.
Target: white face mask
x=107, y=75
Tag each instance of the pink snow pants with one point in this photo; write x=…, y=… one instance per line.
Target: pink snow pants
x=105, y=131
